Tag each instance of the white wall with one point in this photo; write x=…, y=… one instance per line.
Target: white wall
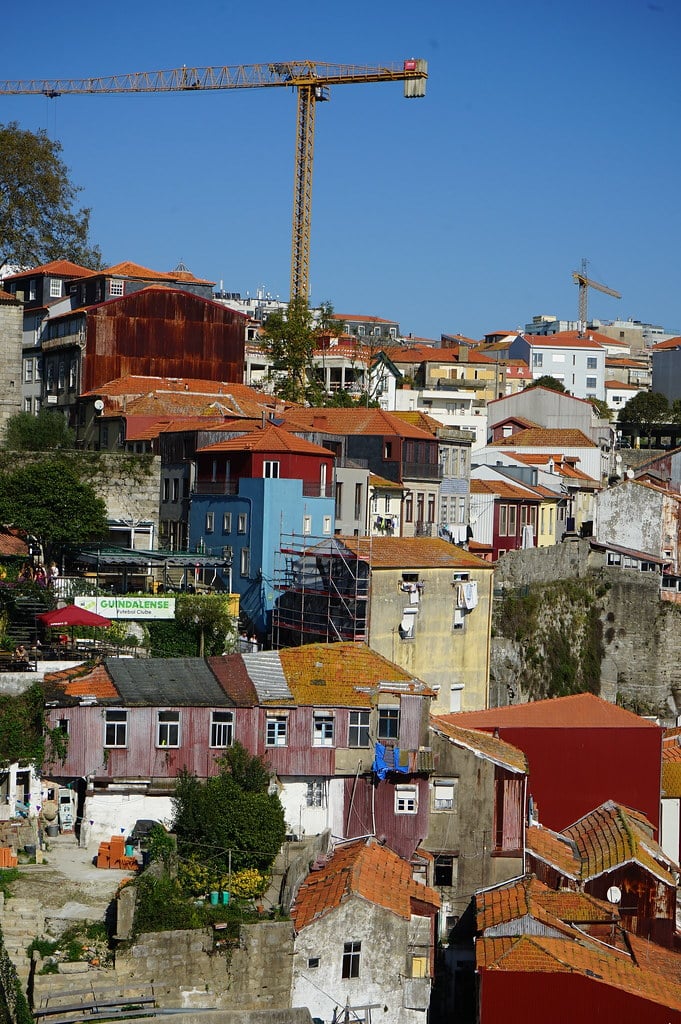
x=114, y=814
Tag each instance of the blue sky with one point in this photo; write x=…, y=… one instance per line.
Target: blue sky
x=550, y=132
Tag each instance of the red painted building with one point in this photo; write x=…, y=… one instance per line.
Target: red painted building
x=582, y=751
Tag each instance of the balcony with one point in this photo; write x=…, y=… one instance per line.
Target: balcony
x=216, y=487
x=317, y=490
x=421, y=471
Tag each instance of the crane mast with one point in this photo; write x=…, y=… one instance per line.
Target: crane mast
x=584, y=282
x=312, y=81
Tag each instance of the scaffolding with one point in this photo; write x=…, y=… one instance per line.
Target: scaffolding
x=323, y=585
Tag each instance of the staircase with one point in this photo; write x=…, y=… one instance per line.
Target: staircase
x=22, y=628
x=22, y=921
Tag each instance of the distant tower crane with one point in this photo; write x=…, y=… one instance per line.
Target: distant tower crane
x=312, y=81
x=585, y=283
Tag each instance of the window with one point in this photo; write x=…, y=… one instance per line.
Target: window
x=55, y=288
x=326, y=524
x=537, y=359
x=227, y=522
x=166, y=488
x=614, y=558
x=38, y=369
x=210, y=521
x=316, y=793
x=388, y=450
x=459, y=619
x=221, y=728
x=358, y=729
x=31, y=290
x=351, y=955
x=388, y=723
x=245, y=562
x=503, y=520
x=115, y=728
x=406, y=800
x=27, y=405
x=176, y=489
x=61, y=376
x=339, y=499
x=409, y=508
x=73, y=375
x=358, y=501
x=28, y=370
x=270, y=470
x=168, y=729
x=419, y=967
x=242, y=522
x=512, y=520
x=313, y=962
x=276, y=731
x=64, y=726
x=592, y=383
x=431, y=508
x=446, y=870
x=307, y=524
x=322, y=730
x=444, y=794
x=116, y=287
x=591, y=363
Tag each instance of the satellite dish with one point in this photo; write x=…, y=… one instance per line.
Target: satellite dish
x=614, y=894
x=630, y=474
x=99, y=405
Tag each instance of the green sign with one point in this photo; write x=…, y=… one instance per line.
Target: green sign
x=120, y=606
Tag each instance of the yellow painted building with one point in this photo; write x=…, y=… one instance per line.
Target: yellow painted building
x=430, y=611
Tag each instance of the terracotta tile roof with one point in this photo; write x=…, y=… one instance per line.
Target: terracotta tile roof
x=568, y=339
x=421, y=420
x=600, y=964
x=83, y=682
x=671, y=766
x=60, y=268
x=481, y=742
x=554, y=849
x=382, y=484
x=134, y=385
x=366, y=870
x=354, y=318
x=626, y=362
x=10, y=299
x=271, y=439
x=578, y=711
x=374, y=422
x=338, y=675
x=135, y=270
x=669, y=343
x=542, y=437
x=414, y=553
x=528, y=897
x=617, y=385
x=561, y=465
x=12, y=543
x=613, y=835
x=503, y=489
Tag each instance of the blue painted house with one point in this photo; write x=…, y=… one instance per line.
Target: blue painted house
x=249, y=492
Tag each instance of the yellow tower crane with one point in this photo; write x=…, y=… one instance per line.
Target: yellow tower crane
x=311, y=80
x=585, y=283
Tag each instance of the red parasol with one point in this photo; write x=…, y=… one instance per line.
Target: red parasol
x=71, y=615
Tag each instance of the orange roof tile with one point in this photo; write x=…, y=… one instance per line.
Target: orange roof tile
x=339, y=674
x=489, y=746
x=554, y=849
x=357, y=420
x=578, y=711
x=61, y=268
x=542, y=437
x=353, y=317
x=366, y=870
x=84, y=682
x=503, y=489
x=12, y=543
x=617, y=385
x=613, y=835
x=135, y=270
x=669, y=343
x=600, y=964
x=528, y=897
x=568, y=339
x=413, y=553
x=380, y=483
x=269, y=439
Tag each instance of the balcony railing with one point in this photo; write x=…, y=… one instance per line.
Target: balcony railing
x=317, y=490
x=421, y=471
x=310, y=490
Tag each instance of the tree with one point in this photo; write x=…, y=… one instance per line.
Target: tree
x=39, y=220
x=645, y=409
x=290, y=339
x=552, y=383
x=48, y=500
x=209, y=618
x=230, y=820
x=47, y=430
x=602, y=408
